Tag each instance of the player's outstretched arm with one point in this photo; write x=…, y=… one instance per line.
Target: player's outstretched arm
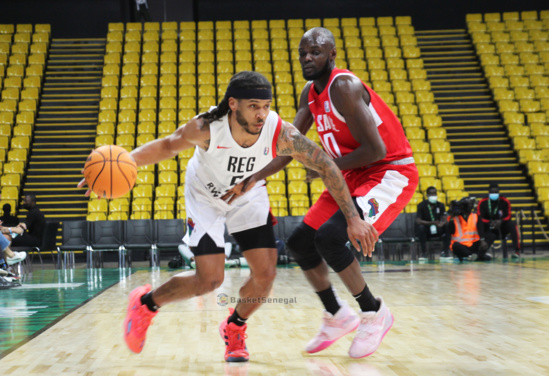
x=195, y=132
x=291, y=142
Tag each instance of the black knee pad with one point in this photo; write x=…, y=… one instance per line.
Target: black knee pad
x=330, y=242
x=302, y=247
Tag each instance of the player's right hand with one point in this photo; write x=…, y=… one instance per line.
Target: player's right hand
x=83, y=183
x=362, y=235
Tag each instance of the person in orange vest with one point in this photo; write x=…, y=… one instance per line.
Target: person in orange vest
x=469, y=240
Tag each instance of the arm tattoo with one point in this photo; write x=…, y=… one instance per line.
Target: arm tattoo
x=292, y=142
x=205, y=127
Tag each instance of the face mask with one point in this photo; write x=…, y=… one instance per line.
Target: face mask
x=26, y=206
x=432, y=199
x=493, y=196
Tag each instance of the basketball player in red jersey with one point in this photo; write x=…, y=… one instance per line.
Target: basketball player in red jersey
x=366, y=140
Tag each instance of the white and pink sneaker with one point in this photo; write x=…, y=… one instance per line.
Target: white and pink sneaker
x=333, y=328
x=373, y=327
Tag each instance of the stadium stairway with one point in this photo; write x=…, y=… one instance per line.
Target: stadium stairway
x=65, y=127
x=478, y=138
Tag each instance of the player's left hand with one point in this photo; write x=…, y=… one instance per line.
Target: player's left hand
x=361, y=231
x=83, y=183
x=239, y=189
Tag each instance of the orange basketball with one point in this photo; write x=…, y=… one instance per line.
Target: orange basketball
x=110, y=171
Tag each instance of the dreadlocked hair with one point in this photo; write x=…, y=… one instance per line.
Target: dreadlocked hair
x=241, y=80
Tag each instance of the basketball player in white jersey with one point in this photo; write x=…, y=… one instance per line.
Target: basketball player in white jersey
x=233, y=141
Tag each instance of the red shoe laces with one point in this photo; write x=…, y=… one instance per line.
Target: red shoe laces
x=236, y=339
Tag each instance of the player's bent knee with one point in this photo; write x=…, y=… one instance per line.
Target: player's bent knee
x=266, y=276
x=302, y=248
x=333, y=250
x=208, y=284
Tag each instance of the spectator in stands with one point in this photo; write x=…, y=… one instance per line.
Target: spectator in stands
x=34, y=224
x=8, y=219
x=142, y=11
x=495, y=214
x=7, y=234
x=468, y=237
x=432, y=223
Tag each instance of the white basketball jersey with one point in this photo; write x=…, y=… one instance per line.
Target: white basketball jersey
x=226, y=163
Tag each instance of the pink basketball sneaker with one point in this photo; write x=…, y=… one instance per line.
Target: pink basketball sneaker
x=137, y=320
x=234, y=337
x=373, y=327
x=333, y=328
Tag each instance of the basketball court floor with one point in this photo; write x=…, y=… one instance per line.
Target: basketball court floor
x=450, y=319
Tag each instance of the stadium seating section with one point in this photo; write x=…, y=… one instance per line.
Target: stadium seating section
x=23, y=50
x=513, y=49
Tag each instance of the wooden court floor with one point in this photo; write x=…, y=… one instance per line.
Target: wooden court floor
x=450, y=319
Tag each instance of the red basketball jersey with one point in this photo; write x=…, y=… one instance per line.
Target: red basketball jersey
x=334, y=133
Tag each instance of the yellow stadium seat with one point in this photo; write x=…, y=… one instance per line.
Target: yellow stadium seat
x=527, y=155
x=413, y=133
x=23, y=130
x=508, y=106
x=5, y=130
x=419, y=146
x=145, y=178
x=494, y=71
x=10, y=193
x=126, y=128
x=428, y=108
x=513, y=118
x=427, y=182
x=521, y=142
x=142, y=191
x=434, y=133
x=20, y=142
x=539, y=129
x=279, y=176
x=426, y=171
x=423, y=158
x=518, y=130
x=13, y=180
x=297, y=187
x=127, y=116
x=431, y=121
x=92, y=217
x=447, y=170
x=407, y=109
x=118, y=216
x=443, y=158
x=276, y=187
x=165, y=191
x=528, y=106
x=524, y=93
x=98, y=206
x=540, y=180
x=411, y=121
x=439, y=145
x=536, y=167
x=103, y=140
x=424, y=96
x=296, y=173
x=452, y=183
x=405, y=97
x=542, y=142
